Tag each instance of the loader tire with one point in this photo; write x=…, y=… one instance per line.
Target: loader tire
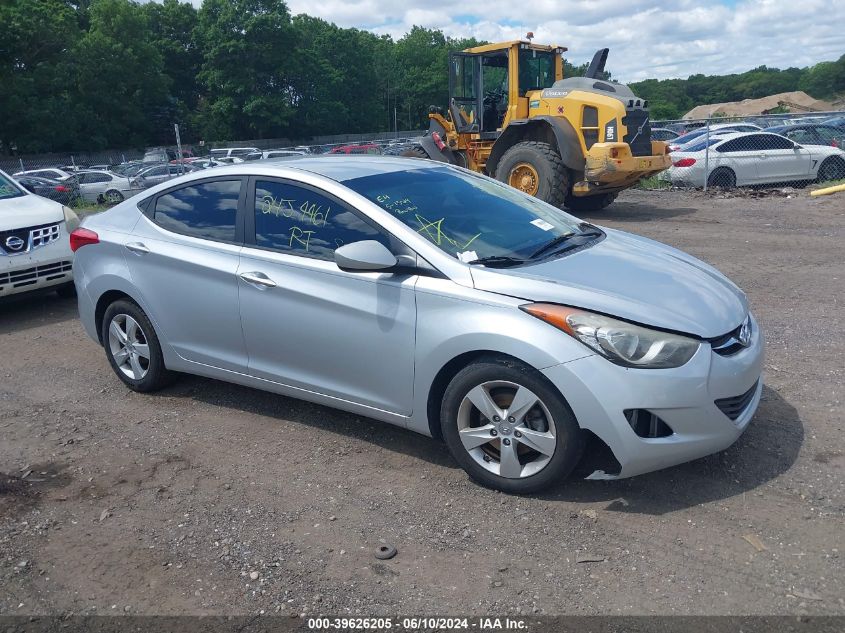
x=536, y=169
x=590, y=203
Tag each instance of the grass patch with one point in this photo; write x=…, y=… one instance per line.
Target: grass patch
x=652, y=183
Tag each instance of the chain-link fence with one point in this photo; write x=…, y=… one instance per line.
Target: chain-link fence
x=774, y=150
x=84, y=179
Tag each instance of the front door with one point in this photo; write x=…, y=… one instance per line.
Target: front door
x=309, y=324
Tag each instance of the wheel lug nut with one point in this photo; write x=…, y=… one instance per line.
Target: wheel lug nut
x=517, y=434
x=506, y=442
x=511, y=419
x=496, y=418
x=494, y=432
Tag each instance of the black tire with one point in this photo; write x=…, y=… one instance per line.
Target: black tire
x=568, y=435
x=157, y=375
x=66, y=291
x=113, y=196
x=722, y=177
x=833, y=168
x=553, y=182
x=590, y=203
x=414, y=152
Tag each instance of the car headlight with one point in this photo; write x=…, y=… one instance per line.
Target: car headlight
x=618, y=341
x=71, y=219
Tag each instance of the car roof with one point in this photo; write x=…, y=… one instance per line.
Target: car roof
x=342, y=168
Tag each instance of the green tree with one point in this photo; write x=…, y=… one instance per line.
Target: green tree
x=248, y=63
x=121, y=88
x=34, y=67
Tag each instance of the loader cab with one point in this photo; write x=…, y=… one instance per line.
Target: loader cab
x=489, y=85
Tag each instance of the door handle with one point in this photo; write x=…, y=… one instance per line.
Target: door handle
x=257, y=278
x=138, y=248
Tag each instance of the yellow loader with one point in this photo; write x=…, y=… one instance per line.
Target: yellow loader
x=574, y=142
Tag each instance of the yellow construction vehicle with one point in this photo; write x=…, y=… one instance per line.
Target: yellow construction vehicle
x=574, y=142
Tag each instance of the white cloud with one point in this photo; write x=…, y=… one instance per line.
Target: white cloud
x=646, y=39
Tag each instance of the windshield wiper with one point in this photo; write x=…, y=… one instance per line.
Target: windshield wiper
x=562, y=239
x=498, y=261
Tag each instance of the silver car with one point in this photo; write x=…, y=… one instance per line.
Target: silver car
x=429, y=297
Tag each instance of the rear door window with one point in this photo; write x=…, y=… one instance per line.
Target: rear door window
x=207, y=210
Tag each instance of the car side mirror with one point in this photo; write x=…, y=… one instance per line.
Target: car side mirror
x=364, y=256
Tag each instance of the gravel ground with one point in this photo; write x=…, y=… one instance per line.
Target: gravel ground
x=209, y=498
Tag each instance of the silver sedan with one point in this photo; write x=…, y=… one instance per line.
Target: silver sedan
x=429, y=297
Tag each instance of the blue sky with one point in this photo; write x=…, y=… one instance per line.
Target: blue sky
x=647, y=38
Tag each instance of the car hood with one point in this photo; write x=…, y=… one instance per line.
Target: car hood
x=29, y=210
x=633, y=278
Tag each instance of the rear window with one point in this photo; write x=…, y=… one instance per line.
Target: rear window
x=8, y=188
x=208, y=210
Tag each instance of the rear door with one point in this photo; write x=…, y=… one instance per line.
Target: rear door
x=741, y=155
x=183, y=257
x=309, y=324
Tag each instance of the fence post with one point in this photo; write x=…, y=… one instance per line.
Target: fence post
x=707, y=154
x=21, y=161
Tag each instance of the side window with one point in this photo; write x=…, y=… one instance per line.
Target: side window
x=98, y=178
x=299, y=221
x=208, y=210
x=732, y=146
x=773, y=141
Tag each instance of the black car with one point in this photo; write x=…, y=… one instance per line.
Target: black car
x=812, y=134
x=64, y=191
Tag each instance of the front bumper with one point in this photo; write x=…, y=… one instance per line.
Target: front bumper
x=612, y=167
x=599, y=392
x=43, y=267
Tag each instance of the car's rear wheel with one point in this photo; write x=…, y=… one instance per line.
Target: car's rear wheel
x=722, y=177
x=132, y=347
x=833, y=168
x=113, y=196
x=509, y=428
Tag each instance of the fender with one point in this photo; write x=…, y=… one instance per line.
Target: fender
x=556, y=131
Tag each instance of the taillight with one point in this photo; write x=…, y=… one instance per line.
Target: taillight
x=438, y=141
x=81, y=237
x=61, y=188
x=684, y=162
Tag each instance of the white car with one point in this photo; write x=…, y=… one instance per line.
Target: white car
x=754, y=158
x=34, y=241
x=53, y=173
x=281, y=153
x=228, y=152
x=700, y=134
x=103, y=186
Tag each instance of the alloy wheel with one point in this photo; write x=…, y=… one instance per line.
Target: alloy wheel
x=129, y=347
x=507, y=429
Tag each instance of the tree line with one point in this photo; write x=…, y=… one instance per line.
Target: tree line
x=102, y=74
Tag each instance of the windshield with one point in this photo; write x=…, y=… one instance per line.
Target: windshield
x=8, y=188
x=468, y=216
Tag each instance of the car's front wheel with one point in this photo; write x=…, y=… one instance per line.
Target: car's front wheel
x=132, y=347
x=509, y=428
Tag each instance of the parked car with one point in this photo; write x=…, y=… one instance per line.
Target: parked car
x=228, y=152
x=34, y=247
x=368, y=148
x=65, y=192
x=432, y=298
x=204, y=163
x=663, y=134
x=812, y=134
x=53, y=173
x=229, y=160
x=837, y=121
x=282, y=153
x=753, y=159
x=159, y=155
x=129, y=168
x=104, y=186
x=718, y=128
x=157, y=174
